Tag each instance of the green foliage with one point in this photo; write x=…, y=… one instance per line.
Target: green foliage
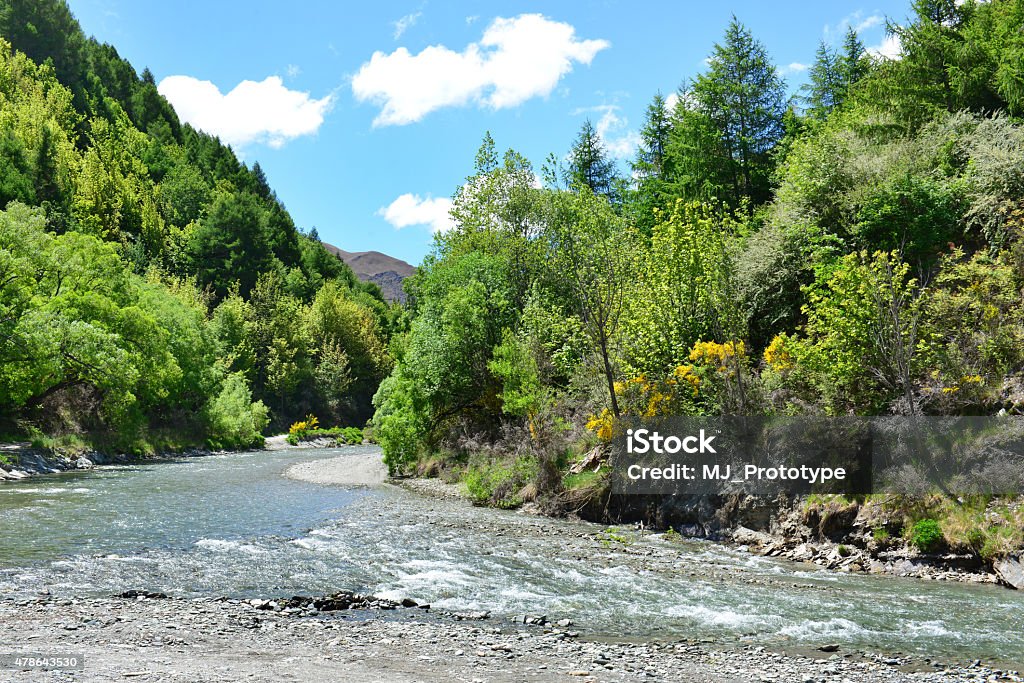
x=683, y=291
x=926, y=535
x=343, y=435
x=351, y=435
x=580, y=481
x=499, y=483
x=104, y=309
x=864, y=328
x=590, y=166
x=915, y=216
x=515, y=367
x=742, y=101
x=235, y=421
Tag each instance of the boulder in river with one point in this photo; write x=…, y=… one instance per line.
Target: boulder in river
x=1010, y=571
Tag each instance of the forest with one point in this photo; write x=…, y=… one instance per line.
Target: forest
x=154, y=290
x=856, y=249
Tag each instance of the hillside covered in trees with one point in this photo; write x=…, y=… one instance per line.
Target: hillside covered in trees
x=857, y=249
x=153, y=288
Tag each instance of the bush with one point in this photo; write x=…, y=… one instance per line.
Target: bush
x=351, y=435
x=234, y=420
x=926, y=535
x=500, y=483
x=303, y=431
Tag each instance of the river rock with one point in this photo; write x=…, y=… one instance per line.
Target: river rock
x=84, y=463
x=745, y=536
x=1010, y=571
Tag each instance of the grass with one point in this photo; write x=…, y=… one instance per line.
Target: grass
x=609, y=536
x=344, y=435
x=989, y=526
x=581, y=480
x=501, y=483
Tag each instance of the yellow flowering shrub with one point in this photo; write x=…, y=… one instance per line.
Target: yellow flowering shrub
x=719, y=355
x=778, y=355
x=642, y=397
x=602, y=424
x=301, y=427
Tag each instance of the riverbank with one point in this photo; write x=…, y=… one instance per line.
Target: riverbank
x=175, y=640
x=790, y=532
x=21, y=460
x=351, y=469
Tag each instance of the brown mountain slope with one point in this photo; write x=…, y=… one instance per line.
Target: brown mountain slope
x=386, y=271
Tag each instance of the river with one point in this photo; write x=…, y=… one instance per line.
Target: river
x=233, y=525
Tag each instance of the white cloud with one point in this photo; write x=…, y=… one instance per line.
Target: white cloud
x=515, y=60
x=857, y=21
x=889, y=48
x=619, y=141
x=794, y=68
x=411, y=209
x=671, y=101
x=293, y=70
x=405, y=23
x=263, y=111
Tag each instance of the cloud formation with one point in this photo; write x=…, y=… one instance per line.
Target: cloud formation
x=857, y=21
x=515, y=60
x=411, y=209
x=613, y=129
x=265, y=111
x=405, y=23
x=889, y=48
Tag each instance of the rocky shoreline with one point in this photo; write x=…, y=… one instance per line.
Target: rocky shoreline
x=150, y=637
x=789, y=537
x=21, y=461
x=899, y=561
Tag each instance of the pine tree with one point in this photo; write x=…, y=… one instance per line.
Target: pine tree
x=854, y=62
x=589, y=164
x=826, y=89
x=649, y=167
x=486, y=157
x=260, y=178
x=650, y=158
x=744, y=99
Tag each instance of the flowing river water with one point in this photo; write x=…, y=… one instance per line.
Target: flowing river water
x=233, y=525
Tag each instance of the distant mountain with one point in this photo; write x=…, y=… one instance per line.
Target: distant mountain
x=387, y=272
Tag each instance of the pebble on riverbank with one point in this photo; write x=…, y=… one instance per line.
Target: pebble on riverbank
x=227, y=640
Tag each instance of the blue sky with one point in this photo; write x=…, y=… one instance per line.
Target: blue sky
x=366, y=116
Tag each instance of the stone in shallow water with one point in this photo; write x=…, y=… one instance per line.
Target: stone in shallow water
x=1010, y=571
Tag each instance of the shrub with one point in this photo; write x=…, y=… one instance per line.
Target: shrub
x=500, y=483
x=843, y=551
x=926, y=535
x=880, y=534
x=351, y=435
x=299, y=429
x=234, y=420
